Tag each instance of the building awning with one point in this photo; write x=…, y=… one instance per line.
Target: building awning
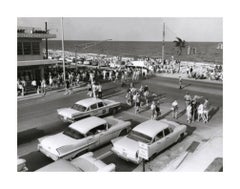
x=36, y=62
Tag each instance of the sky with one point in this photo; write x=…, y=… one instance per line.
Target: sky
x=131, y=28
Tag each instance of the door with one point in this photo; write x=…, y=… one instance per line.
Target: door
x=158, y=144
x=169, y=136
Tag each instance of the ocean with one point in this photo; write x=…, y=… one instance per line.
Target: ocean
x=204, y=51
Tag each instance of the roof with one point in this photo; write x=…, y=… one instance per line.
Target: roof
x=151, y=127
x=88, y=101
x=84, y=125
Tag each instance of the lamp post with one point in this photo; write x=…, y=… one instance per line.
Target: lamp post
x=63, y=54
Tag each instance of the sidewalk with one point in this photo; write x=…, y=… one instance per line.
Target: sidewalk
x=185, y=77
x=82, y=86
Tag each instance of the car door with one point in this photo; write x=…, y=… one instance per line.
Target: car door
x=102, y=110
x=93, y=138
x=93, y=110
x=158, y=143
x=169, y=137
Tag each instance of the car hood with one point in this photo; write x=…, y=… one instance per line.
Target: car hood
x=67, y=112
x=126, y=144
x=53, y=142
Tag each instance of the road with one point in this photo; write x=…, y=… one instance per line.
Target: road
x=38, y=117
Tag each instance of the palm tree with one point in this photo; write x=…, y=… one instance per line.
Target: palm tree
x=180, y=44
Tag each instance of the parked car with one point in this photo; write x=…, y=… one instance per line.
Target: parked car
x=21, y=165
x=158, y=135
x=84, y=163
x=88, y=107
x=82, y=136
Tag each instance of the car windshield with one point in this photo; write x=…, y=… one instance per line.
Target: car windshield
x=73, y=133
x=139, y=137
x=79, y=107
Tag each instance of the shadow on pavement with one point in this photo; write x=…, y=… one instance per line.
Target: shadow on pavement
x=36, y=160
x=187, y=85
x=35, y=133
x=212, y=112
x=121, y=165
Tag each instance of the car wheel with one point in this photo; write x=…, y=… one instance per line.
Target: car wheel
x=114, y=111
x=180, y=138
x=123, y=132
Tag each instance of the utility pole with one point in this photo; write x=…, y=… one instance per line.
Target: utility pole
x=46, y=41
x=63, y=55
x=163, y=42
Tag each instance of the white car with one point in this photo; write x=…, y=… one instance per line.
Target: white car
x=157, y=135
x=82, y=136
x=88, y=107
x=84, y=163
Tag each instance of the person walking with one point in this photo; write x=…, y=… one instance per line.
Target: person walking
x=189, y=113
x=200, y=113
x=153, y=109
x=137, y=103
x=43, y=87
x=180, y=82
x=99, y=90
x=187, y=99
x=175, y=109
x=68, y=91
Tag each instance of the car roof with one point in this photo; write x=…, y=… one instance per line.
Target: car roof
x=151, y=127
x=59, y=165
x=84, y=125
x=88, y=101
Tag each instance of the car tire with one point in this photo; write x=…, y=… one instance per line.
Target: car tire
x=180, y=138
x=114, y=111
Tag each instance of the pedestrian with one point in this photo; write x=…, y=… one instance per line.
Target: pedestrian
x=146, y=94
x=43, y=87
x=34, y=84
x=68, y=91
x=200, y=112
x=89, y=93
x=158, y=110
x=137, y=102
x=153, y=109
x=194, y=108
x=99, y=90
x=187, y=99
x=175, y=109
x=205, y=110
x=104, y=74
x=189, y=113
x=180, y=82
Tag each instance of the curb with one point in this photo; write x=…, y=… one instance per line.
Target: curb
x=28, y=97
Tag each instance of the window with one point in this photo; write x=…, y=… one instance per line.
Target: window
x=93, y=107
x=79, y=108
x=100, y=104
x=73, y=133
x=27, y=48
x=166, y=131
x=159, y=136
x=36, y=48
x=19, y=48
x=97, y=130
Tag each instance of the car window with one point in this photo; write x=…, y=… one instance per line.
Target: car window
x=97, y=129
x=73, y=133
x=79, y=107
x=166, y=131
x=100, y=104
x=93, y=107
x=159, y=136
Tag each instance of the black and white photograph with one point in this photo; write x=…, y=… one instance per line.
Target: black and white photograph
x=119, y=94
x=130, y=94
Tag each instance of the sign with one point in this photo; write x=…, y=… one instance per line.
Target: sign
x=143, y=150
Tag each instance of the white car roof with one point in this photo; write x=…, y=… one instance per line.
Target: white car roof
x=151, y=127
x=84, y=125
x=88, y=101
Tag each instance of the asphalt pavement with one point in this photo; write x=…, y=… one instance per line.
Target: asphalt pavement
x=37, y=117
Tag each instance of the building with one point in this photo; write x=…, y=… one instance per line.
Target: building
x=31, y=64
